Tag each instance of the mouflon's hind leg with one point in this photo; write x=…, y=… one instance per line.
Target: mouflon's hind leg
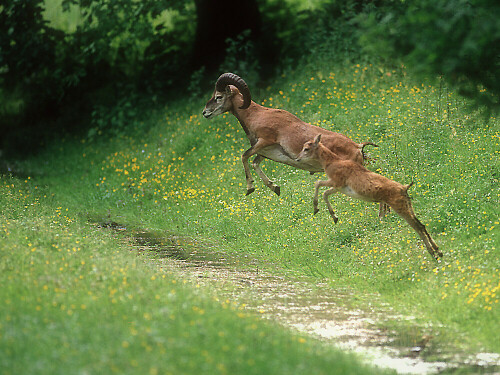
x=259, y=145
x=248, y=175
x=270, y=184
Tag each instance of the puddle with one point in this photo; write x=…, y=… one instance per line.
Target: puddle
x=160, y=245
x=316, y=309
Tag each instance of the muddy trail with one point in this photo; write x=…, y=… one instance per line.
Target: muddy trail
x=313, y=308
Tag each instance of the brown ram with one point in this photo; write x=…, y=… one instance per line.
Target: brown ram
x=273, y=133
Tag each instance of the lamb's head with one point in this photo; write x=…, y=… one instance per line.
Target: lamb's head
x=309, y=150
x=227, y=86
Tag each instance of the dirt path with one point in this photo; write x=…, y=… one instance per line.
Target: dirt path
x=316, y=309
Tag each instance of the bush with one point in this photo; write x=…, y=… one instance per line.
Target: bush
x=457, y=39
x=31, y=52
x=49, y=73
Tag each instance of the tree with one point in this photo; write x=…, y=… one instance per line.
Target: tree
x=117, y=44
x=456, y=39
x=219, y=20
x=28, y=49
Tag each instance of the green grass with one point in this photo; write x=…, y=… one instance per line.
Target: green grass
x=181, y=173
x=75, y=299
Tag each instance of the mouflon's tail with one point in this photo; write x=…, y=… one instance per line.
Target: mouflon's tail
x=362, y=146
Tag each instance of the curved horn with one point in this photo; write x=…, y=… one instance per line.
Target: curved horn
x=232, y=79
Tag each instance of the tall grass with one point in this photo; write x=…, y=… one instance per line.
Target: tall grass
x=183, y=173
x=76, y=300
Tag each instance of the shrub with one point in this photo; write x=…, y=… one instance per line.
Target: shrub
x=457, y=39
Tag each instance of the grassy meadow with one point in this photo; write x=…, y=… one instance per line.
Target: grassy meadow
x=77, y=289
x=76, y=299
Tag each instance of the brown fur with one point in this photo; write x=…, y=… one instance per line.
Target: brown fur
x=277, y=135
x=358, y=182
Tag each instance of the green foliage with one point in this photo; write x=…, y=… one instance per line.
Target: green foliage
x=331, y=36
x=240, y=57
x=113, y=121
x=52, y=70
x=309, y=33
x=30, y=51
x=458, y=39
x=195, y=83
x=48, y=74
x=122, y=40
x=132, y=37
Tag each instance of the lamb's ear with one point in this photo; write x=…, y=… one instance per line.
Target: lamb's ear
x=317, y=139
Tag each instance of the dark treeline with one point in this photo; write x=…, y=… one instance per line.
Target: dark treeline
x=54, y=81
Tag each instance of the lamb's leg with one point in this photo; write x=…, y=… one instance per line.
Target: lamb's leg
x=406, y=212
x=326, y=194
x=317, y=185
x=431, y=246
x=270, y=184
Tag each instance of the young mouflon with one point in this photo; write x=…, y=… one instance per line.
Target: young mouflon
x=356, y=181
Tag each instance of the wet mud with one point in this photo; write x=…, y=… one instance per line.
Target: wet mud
x=313, y=308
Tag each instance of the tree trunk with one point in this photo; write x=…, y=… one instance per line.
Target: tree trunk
x=219, y=20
